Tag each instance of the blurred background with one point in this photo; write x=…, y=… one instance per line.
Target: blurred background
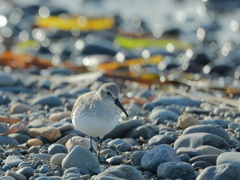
x=140, y=36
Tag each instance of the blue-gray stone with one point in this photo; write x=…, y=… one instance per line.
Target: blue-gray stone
x=220, y=172
x=201, y=164
x=26, y=171
x=160, y=154
x=13, y=161
x=72, y=170
x=71, y=176
x=208, y=158
x=57, y=148
x=21, y=138
x=49, y=99
x=190, y=151
x=4, y=98
x=44, y=169
x=6, y=140
x=145, y=131
x=218, y=131
x=176, y=100
x=6, y=79
x=176, y=170
x=195, y=140
x=120, y=144
x=229, y=157
x=3, y=128
x=161, y=139
x=82, y=158
x=160, y=113
x=122, y=128
x=120, y=172
x=115, y=160
x=15, y=175
x=136, y=158
x=220, y=122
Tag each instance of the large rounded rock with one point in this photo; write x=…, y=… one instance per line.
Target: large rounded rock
x=176, y=170
x=13, y=161
x=229, y=157
x=207, y=129
x=120, y=172
x=6, y=140
x=160, y=154
x=82, y=158
x=220, y=172
x=195, y=140
x=50, y=133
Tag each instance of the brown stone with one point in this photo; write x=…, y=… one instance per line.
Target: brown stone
x=50, y=133
x=58, y=116
x=34, y=142
x=185, y=121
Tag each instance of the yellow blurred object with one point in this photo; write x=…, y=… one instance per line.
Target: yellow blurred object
x=81, y=23
x=114, y=65
x=130, y=43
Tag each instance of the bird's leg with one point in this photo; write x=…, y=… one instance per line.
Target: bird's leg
x=91, y=146
x=100, y=146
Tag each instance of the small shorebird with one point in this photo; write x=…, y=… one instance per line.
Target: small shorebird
x=96, y=113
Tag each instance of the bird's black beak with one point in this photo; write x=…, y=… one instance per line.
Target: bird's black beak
x=117, y=102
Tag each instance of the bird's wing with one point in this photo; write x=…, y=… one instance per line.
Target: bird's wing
x=84, y=100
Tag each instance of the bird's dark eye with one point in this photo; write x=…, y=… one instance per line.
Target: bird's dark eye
x=108, y=93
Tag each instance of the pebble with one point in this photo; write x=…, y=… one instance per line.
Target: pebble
x=50, y=100
x=21, y=138
x=208, y=158
x=184, y=157
x=59, y=116
x=7, y=178
x=34, y=142
x=66, y=127
x=190, y=151
x=50, y=133
x=3, y=128
x=176, y=170
x=57, y=148
x=120, y=172
x=159, y=113
x=13, y=161
x=136, y=158
x=15, y=175
x=142, y=131
x=115, y=160
x=185, y=121
x=19, y=108
x=44, y=169
x=6, y=79
x=41, y=156
x=84, y=142
x=159, y=154
x=72, y=170
x=6, y=140
x=195, y=140
x=208, y=129
x=120, y=145
x=220, y=172
x=161, y=139
x=21, y=127
x=229, y=157
x=201, y=164
x=210, y=150
x=122, y=128
x=82, y=158
x=26, y=171
x=71, y=176
x=56, y=159
x=220, y=122
x=34, y=149
x=176, y=100
x=4, y=98
x=37, y=123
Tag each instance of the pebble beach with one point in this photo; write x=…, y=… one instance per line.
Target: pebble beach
x=184, y=108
